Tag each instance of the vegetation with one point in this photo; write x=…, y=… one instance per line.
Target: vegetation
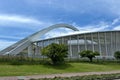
x=117, y=55
x=87, y=77
x=89, y=54
x=20, y=66
x=56, y=52
x=14, y=60
x=71, y=67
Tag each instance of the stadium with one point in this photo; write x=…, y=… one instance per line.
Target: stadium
x=105, y=42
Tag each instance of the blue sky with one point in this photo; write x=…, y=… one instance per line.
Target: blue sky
x=20, y=18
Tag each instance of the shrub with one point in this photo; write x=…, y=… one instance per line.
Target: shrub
x=56, y=52
x=117, y=54
x=89, y=54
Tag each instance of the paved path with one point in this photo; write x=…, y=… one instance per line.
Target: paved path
x=55, y=75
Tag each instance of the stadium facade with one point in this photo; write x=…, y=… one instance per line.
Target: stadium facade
x=105, y=42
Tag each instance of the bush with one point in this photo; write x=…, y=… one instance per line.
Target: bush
x=89, y=54
x=16, y=60
x=117, y=55
x=56, y=52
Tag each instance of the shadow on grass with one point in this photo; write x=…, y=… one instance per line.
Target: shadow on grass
x=98, y=62
x=45, y=63
x=60, y=66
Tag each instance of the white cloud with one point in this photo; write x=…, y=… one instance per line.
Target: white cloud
x=92, y=28
x=116, y=28
x=18, y=19
x=11, y=37
x=58, y=32
x=116, y=21
x=21, y=21
x=7, y=20
x=5, y=44
x=116, y=24
x=102, y=26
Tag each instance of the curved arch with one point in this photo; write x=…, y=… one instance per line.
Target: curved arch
x=38, y=34
x=26, y=42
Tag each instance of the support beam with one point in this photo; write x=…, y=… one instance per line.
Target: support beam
x=30, y=51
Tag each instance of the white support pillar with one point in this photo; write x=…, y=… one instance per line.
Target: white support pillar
x=99, y=44
x=78, y=42
x=85, y=42
x=111, y=45
x=42, y=48
x=40, y=45
x=116, y=41
x=106, y=44
x=62, y=40
x=70, y=47
x=37, y=51
x=30, y=51
x=56, y=41
x=93, y=49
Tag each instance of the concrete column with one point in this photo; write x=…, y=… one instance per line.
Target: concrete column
x=70, y=47
x=106, y=44
x=99, y=44
x=78, y=42
x=62, y=40
x=30, y=51
x=93, y=49
x=40, y=47
x=56, y=41
x=85, y=42
x=37, y=51
x=116, y=47
x=111, y=45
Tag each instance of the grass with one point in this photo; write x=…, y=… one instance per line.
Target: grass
x=71, y=67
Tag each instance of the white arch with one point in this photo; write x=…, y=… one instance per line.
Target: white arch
x=38, y=34
x=26, y=42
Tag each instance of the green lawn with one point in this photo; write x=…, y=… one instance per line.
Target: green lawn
x=21, y=70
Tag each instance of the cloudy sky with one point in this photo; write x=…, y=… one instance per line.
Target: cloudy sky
x=20, y=18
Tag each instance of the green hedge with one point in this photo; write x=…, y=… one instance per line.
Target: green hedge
x=18, y=60
x=88, y=77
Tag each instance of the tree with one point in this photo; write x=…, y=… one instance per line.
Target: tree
x=89, y=54
x=56, y=52
x=117, y=55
